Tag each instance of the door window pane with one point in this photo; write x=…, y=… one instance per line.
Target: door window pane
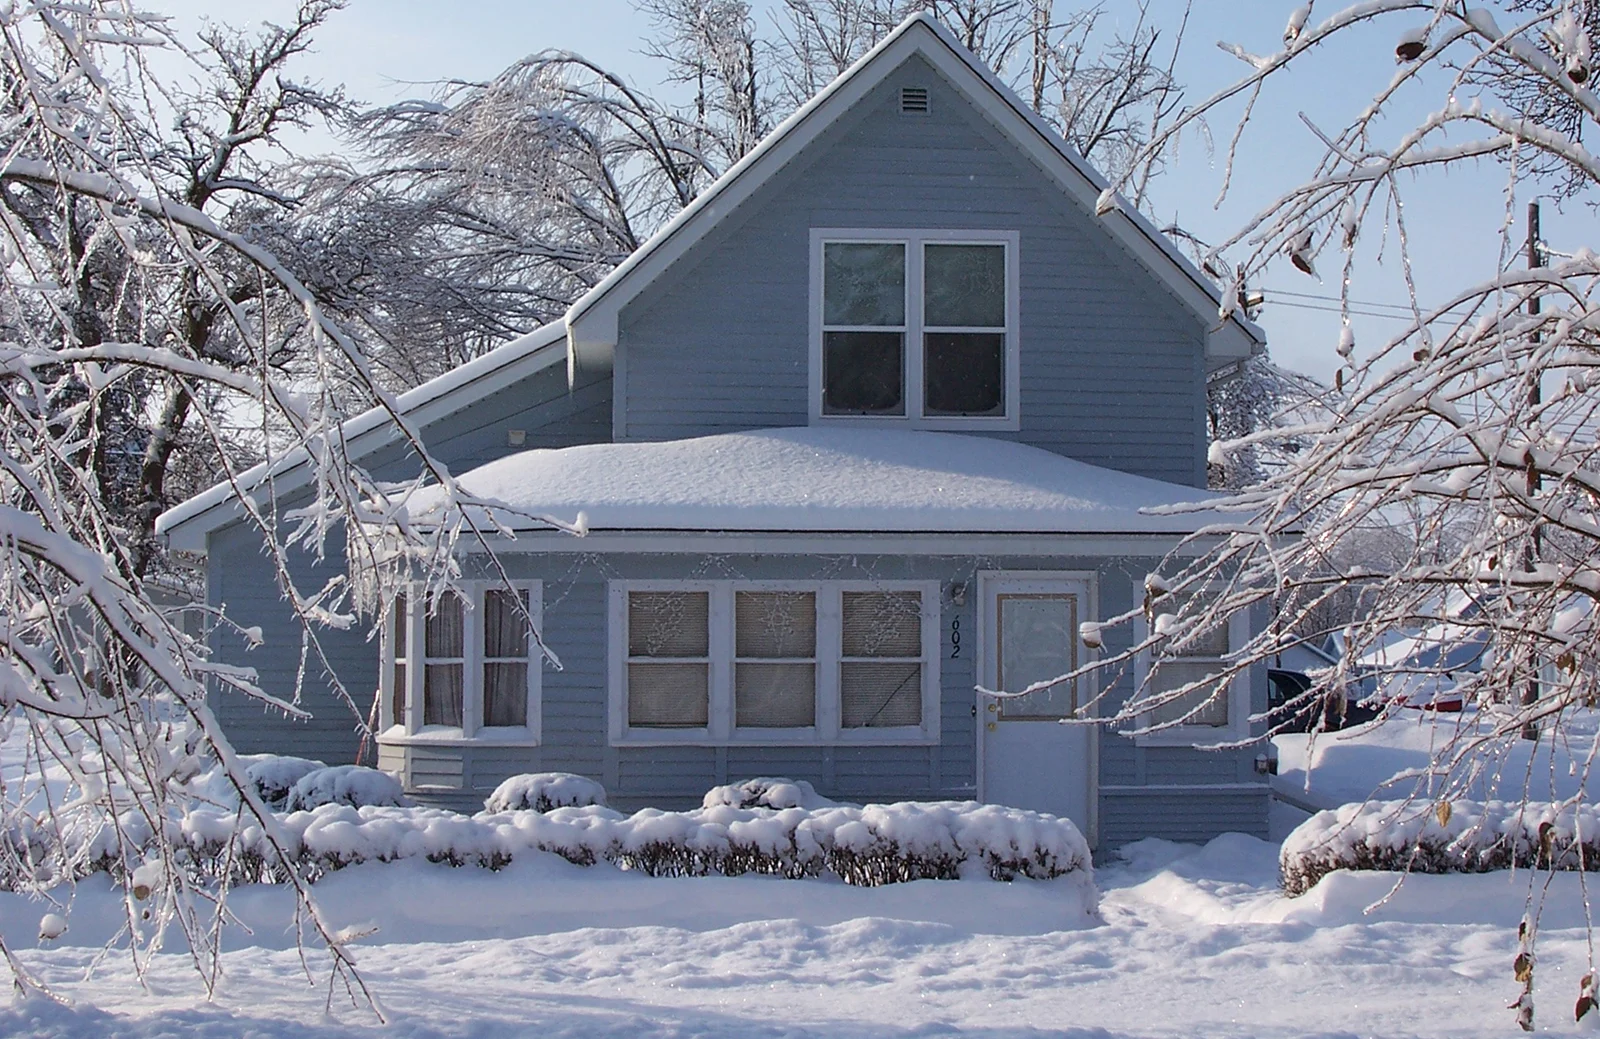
x=1038, y=642
x=964, y=373
x=863, y=373
x=964, y=286
x=864, y=283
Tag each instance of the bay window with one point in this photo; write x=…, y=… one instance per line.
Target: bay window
x=754, y=662
x=462, y=665
x=918, y=326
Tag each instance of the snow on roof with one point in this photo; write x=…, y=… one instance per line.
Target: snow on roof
x=440, y=390
x=822, y=479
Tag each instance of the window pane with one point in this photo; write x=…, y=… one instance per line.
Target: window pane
x=1212, y=643
x=1038, y=642
x=775, y=624
x=397, y=696
x=882, y=624
x=444, y=632
x=877, y=695
x=667, y=696
x=775, y=696
x=668, y=624
x=964, y=286
x=397, y=615
x=863, y=284
x=441, y=694
x=505, y=627
x=964, y=373
x=505, y=694
x=863, y=373
x=1169, y=675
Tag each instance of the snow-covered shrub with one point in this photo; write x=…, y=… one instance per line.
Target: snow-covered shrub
x=867, y=846
x=766, y=792
x=353, y=785
x=1449, y=837
x=274, y=775
x=542, y=791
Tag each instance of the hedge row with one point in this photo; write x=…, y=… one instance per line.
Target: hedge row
x=1443, y=837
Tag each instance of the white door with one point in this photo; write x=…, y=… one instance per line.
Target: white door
x=1027, y=758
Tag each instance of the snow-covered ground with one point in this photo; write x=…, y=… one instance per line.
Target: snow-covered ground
x=1185, y=941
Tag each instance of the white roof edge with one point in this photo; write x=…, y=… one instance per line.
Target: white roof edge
x=592, y=320
x=186, y=524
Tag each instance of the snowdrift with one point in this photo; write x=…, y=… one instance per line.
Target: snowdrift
x=1448, y=837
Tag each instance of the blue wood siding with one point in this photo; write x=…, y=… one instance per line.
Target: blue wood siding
x=1111, y=362
x=241, y=579
x=575, y=705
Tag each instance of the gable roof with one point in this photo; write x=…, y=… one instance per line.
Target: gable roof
x=592, y=320
x=186, y=524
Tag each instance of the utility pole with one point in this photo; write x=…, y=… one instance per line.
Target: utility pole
x=1531, y=552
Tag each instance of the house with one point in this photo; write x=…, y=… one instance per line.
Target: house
x=869, y=425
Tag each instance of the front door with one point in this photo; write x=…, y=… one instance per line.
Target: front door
x=1027, y=758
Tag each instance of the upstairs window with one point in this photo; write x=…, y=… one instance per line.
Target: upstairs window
x=916, y=326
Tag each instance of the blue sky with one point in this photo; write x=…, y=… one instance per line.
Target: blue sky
x=387, y=49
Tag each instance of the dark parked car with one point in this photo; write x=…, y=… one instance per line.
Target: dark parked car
x=1334, y=709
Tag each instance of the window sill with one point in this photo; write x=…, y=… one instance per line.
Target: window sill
x=888, y=738
x=1196, y=738
x=451, y=737
x=950, y=424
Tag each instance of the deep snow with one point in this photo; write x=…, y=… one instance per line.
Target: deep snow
x=1190, y=942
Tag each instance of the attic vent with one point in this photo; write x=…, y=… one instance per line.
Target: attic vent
x=914, y=99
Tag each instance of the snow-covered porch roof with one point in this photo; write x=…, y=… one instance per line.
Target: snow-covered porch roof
x=821, y=480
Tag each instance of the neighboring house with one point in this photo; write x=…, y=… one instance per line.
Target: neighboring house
x=870, y=424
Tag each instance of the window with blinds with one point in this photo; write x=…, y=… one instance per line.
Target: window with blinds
x=880, y=665
x=1199, y=663
x=775, y=666
x=669, y=659
x=729, y=662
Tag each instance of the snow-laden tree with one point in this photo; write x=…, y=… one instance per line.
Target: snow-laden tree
x=138, y=307
x=1476, y=425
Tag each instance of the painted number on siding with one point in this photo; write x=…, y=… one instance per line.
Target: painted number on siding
x=955, y=637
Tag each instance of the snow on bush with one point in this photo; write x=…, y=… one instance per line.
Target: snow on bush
x=353, y=785
x=865, y=846
x=1448, y=837
x=542, y=791
x=766, y=792
x=274, y=775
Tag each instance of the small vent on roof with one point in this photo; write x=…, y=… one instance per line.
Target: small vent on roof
x=914, y=99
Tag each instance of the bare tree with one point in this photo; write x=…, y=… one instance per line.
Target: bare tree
x=133, y=287
x=1478, y=423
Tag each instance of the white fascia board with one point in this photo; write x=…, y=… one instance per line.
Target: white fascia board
x=800, y=543
x=593, y=320
x=185, y=525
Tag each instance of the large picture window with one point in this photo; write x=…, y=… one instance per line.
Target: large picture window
x=752, y=662
x=918, y=326
x=462, y=665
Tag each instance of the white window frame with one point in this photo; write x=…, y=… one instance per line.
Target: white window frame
x=721, y=730
x=913, y=240
x=1238, y=726
x=410, y=730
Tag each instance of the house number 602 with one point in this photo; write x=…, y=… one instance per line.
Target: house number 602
x=955, y=637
